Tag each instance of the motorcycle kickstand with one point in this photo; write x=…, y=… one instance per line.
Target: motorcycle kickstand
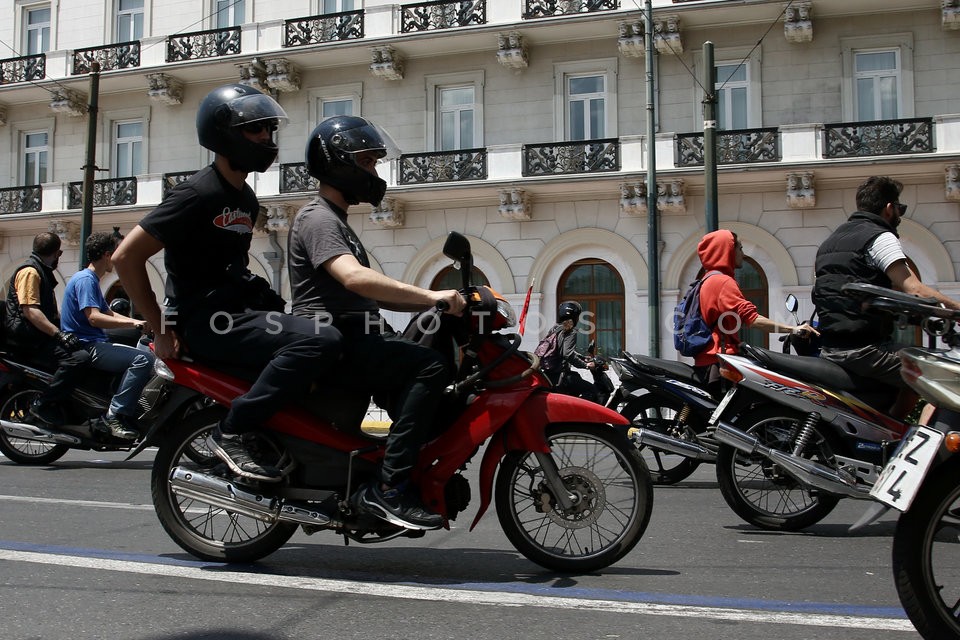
x=552, y=475
x=345, y=507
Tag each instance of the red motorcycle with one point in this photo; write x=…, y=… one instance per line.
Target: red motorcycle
x=572, y=494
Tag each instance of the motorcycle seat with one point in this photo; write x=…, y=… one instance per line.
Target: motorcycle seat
x=824, y=372
x=679, y=370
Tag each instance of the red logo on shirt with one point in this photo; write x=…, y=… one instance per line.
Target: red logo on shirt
x=237, y=221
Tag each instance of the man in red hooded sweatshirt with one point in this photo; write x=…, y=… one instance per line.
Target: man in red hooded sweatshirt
x=724, y=308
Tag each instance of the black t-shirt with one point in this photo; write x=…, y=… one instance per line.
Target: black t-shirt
x=205, y=225
x=320, y=232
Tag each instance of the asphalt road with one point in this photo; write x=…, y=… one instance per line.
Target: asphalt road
x=82, y=555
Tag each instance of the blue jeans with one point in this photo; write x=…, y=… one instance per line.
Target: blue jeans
x=136, y=366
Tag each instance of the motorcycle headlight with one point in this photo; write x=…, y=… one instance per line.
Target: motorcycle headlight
x=161, y=370
x=507, y=314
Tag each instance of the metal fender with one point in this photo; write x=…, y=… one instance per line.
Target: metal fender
x=526, y=431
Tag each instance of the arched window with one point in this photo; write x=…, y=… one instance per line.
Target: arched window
x=599, y=289
x=451, y=278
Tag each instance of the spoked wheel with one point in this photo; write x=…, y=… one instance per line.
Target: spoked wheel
x=204, y=530
x=16, y=408
x=612, y=493
x=926, y=556
x=762, y=493
x=660, y=414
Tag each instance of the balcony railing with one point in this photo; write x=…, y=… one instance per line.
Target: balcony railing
x=23, y=69
x=878, y=138
x=742, y=146
x=556, y=158
x=443, y=166
x=295, y=179
x=331, y=27
x=170, y=180
x=21, y=199
x=546, y=8
x=111, y=192
x=213, y=43
x=122, y=55
x=442, y=14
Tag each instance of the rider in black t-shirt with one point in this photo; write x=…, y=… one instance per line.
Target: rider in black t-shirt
x=215, y=306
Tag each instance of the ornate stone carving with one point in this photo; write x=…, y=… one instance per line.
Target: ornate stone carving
x=283, y=75
x=3, y=114
x=512, y=51
x=388, y=214
x=801, y=192
x=165, y=89
x=633, y=198
x=952, y=178
x=670, y=197
x=68, y=230
x=798, y=22
x=67, y=101
x=253, y=74
x=387, y=63
x=667, y=38
x=631, y=41
x=275, y=217
x=514, y=204
x=950, y=14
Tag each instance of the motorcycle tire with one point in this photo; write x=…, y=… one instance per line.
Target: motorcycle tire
x=758, y=490
x=925, y=556
x=656, y=413
x=16, y=408
x=205, y=531
x=615, y=497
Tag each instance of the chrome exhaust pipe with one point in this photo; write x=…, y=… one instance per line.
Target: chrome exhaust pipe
x=656, y=440
x=805, y=471
x=222, y=493
x=39, y=434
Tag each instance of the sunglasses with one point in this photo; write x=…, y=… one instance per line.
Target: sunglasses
x=901, y=208
x=257, y=127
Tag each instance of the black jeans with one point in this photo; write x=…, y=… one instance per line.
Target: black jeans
x=289, y=352
x=69, y=371
x=412, y=377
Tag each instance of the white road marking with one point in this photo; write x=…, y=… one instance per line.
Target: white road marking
x=79, y=503
x=458, y=596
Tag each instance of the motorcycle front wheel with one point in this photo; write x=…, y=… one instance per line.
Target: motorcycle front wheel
x=206, y=531
x=16, y=408
x=926, y=556
x=613, y=500
x=762, y=493
x=659, y=414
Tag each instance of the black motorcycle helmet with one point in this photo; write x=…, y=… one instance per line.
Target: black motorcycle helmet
x=331, y=157
x=569, y=310
x=220, y=119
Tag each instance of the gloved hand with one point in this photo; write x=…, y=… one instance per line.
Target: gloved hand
x=68, y=341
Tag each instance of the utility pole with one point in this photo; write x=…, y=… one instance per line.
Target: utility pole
x=653, y=222
x=90, y=165
x=710, y=138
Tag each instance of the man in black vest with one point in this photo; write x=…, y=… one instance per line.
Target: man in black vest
x=866, y=248
x=32, y=325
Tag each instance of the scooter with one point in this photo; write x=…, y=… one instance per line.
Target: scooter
x=571, y=493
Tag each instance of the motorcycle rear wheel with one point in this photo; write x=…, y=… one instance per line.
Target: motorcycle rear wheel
x=16, y=408
x=758, y=490
x=926, y=556
x=659, y=414
x=615, y=497
x=203, y=530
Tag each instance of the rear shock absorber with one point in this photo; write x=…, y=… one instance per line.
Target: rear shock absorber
x=806, y=431
x=681, y=418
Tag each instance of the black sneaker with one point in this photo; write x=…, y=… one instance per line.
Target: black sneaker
x=47, y=413
x=397, y=507
x=115, y=426
x=231, y=448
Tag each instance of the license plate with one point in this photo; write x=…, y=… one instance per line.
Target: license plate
x=901, y=478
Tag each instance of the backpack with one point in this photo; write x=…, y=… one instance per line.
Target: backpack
x=551, y=359
x=691, y=333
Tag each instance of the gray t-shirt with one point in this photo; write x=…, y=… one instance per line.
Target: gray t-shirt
x=320, y=232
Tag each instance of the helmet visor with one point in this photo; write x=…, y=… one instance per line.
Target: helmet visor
x=366, y=137
x=255, y=108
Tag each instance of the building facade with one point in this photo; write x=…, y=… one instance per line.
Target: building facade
x=523, y=126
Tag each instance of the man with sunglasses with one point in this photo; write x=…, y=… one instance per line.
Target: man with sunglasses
x=866, y=248
x=218, y=311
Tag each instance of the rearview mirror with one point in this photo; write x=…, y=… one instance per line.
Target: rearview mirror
x=792, y=305
x=457, y=247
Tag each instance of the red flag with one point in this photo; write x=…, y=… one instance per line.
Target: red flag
x=523, y=312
